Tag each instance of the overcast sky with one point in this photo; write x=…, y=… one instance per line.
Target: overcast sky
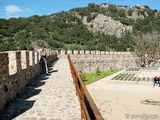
x=27, y=8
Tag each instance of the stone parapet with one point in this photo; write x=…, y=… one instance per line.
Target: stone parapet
x=84, y=54
x=87, y=61
x=17, y=69
x=90, y=65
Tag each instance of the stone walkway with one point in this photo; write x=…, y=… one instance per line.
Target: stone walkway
x=51, y=97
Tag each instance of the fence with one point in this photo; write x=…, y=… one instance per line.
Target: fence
x=89, y=110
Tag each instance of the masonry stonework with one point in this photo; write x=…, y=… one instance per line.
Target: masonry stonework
x=88, y=61
x=17, y=69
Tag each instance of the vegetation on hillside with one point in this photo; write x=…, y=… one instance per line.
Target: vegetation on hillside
x=65, y=30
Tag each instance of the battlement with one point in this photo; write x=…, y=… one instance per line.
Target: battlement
x=88, y=61
x=75, y=54
x=17, y=69
x=89, y=52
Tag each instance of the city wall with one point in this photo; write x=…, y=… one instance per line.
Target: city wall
x=17, y=69
x=88, y=61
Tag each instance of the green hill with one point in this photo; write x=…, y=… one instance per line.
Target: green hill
x=95, y=27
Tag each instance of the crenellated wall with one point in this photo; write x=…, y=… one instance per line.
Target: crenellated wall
x=88, y=61
x=93, y=54
x=17, y=69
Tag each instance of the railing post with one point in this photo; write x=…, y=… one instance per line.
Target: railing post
x=81, y=100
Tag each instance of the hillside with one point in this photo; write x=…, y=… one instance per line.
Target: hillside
x=95, y=27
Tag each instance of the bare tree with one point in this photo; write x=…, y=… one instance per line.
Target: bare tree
x=147, y=49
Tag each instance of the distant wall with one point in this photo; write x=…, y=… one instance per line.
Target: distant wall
x=88, y=61
x=17, y=68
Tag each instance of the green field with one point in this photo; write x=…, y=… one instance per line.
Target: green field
x=92, y=77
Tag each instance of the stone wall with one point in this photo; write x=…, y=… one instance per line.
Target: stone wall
x=90, y=65
x=88, y=61
x=17, y=69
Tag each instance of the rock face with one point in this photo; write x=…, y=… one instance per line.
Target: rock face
x=107, y=25
x=135, y=15
x=137, y=8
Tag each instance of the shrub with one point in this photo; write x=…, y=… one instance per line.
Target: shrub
x=130, y=12
x=98, y=71
x=111, y=69
x=83, y=76
x=122, y=13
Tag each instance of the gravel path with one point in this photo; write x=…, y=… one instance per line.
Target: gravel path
x=126, y=100
x=48, y=97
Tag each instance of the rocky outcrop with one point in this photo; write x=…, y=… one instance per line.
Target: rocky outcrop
x=104, y=5
x=135, y=14
x=107, y=25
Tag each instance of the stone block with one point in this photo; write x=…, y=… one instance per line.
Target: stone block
x=81, y=52
x=62, y=52
x=107, y=53
x=93, y=52
x=75, y=52
x=98, y=52
x=30, y=58
x=87, y=52
x=102, y=53
x=69, y=52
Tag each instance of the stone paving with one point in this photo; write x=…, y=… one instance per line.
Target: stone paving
x=48, y=97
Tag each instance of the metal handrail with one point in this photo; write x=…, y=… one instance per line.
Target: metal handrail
x=89, y=110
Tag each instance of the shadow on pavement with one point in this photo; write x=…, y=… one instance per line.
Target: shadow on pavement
x=19, y=105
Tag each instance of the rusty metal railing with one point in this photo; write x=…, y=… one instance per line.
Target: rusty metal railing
x=89, y=110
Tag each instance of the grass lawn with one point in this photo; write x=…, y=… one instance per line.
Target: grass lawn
x=92, y=77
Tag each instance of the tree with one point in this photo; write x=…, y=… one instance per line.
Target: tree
x=147, y=7
x=101, y=46
x=130, y=12
x=92, y=5
x=121, y=13
x=147, y=48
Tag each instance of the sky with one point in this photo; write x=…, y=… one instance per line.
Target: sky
x=27, y=8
